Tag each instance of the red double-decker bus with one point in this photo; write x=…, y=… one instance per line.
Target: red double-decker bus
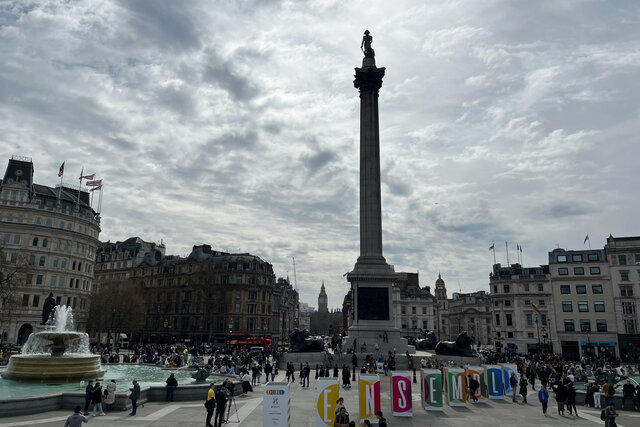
x=250, y=340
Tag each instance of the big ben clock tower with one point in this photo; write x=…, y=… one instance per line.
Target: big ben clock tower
x=322, y=301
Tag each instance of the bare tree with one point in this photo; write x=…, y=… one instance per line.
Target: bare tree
x=118, y=307
x=16, y=270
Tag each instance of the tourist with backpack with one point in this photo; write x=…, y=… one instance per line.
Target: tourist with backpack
x=608, y=415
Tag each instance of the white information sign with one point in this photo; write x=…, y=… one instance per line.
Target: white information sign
x=275, y=405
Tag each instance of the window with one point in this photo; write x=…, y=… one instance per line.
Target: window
x=7, y=238
x=578, y=271
x=35, y=242
x=624, y=276
x=585, y=325
x=62, y=224
x=569, y=326
x=506, y=288
x=529, y=319
x=507, y=303
x=509, y=319
x=565, y=289
x=598, y=306
x=496, y=303
x=239, y=280
x=594, y=270
x=626, y=290
x=563, y=271
x=48, y=223
x=36, y=301
x=39, y=279
x=61, y=282
x=527, y=302
x=567, y=307
x=424, y=325
x=25, y=300
x=16, y=239
x=52, y=281
x=526, y=287
x=596, y=289
x=530, y=335
x=413, y=310
x=628, y=307
x=71, y=282
x=581, y=289
x=637, y=258
x=424, y=311
x=253, y=295
x=622, y=259
x=403, y=310
x=583, y=306
x=630, y=326
x=497, y=320
x=562, y=258
x=238, y=294
x=55, y=262
x=495, y=289
x=544, y=320
x=601, y=325
x=541, y=303
x=64, y=264
x=42, y=261
x=576, y=258
x=509, y=334
x=592, y=257
x=540, y=287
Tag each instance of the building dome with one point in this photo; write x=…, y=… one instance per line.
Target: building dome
x=439, y=282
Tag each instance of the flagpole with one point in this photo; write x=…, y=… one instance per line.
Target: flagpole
x=100, y=203
x=493, y=244
x=80, y=187
x=506, y=244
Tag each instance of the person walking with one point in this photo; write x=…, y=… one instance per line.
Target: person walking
x=523, y=388
x=210, y=404
x=97, y=399
x=571, y=400
x=561, y=396
x=172, y=384
x=134, y=396
x=76, y=419
x=307, y=374
x=110, y=395
x=246, y=384
x=221, y=404
x=513, y=382
x=543, y=397
x=473, y=387
x=88, y=397
x=610, y=415
x=608, y=391
x=267, y=371
x=346, y=377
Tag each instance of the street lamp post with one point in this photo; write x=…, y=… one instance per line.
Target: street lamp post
x=538, y=328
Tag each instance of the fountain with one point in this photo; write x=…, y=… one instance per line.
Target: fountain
x=58, y=354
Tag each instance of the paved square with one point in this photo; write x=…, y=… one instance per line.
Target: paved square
x=249, y=413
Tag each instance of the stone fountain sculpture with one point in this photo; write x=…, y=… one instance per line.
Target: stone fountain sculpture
x=58, y=354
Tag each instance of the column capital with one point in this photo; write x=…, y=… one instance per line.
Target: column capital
x=368, y=79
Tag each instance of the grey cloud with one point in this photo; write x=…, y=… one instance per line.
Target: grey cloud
x=221, y=73
x=567, y=210
x=166, y=23
x=318, y=160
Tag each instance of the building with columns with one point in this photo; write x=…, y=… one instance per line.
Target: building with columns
x=52, y=235
x=415, y=308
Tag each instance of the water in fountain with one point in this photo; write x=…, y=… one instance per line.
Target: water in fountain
x=59, y=337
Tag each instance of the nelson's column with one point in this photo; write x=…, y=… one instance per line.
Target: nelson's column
x=372, y=278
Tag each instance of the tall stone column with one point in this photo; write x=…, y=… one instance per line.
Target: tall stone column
x=372, y=278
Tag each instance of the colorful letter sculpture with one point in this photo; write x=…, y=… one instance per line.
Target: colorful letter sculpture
x=401, y=404
x=495, y=381
x=432, y=390
x=480, y=375
x=369, y=397
x=456, y=386
x=275, y=405
x=328, y=393
x=508, y=369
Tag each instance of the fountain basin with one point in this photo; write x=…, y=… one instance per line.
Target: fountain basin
x=44, y=368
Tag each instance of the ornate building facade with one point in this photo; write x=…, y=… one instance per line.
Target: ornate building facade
x=53, y=231
x=415, y=307
x=116, y=261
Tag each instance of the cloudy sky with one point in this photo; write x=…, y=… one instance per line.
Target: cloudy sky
x=236, y=124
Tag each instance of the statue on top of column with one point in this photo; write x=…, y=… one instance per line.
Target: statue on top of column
x=365, y=46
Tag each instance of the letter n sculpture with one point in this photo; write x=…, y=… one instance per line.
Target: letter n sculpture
x=369, y=397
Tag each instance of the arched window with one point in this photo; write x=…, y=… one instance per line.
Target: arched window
x=35, y=241
x=42, y=261
x=45, y=242
x=73, y=266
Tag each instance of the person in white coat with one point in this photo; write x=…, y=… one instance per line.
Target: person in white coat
x=110, y=396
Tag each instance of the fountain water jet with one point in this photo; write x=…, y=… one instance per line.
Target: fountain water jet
x=57, y=354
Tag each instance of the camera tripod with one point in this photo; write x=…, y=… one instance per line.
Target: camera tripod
x=232, y=399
